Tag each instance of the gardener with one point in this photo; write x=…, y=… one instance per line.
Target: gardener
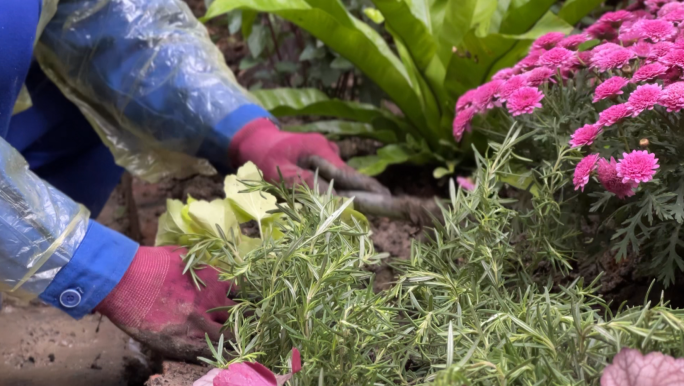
x=143, y=77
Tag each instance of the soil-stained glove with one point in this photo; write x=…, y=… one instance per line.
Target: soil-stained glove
x=261, y=142
x=158, y=305
x=297, y=156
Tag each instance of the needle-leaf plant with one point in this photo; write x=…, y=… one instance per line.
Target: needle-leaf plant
x=473, y=305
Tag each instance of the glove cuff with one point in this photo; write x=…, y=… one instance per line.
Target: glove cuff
x=131, y=300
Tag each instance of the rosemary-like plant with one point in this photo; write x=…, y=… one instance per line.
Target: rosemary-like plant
x=467, y=308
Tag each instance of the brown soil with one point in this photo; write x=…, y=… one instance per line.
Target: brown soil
x=177, y=374
x=40, y=345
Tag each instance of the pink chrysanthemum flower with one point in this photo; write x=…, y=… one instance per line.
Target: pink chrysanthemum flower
x=584, y=58
x=643, y=98
x=674, y=58
x=612, y=59
x=655, y=5
x=628, y=37
x=556, y=57
x=637, y=166
x=583, y=171
x=504, y=74
x=524, y=101
x=573, y=41
x=604, y=49
x=613, y=115
x=676, y=16
x=673, y=75
x=615, y=18
x=641, y=49
x=659, y=50
x=670, y=7
x=548, y=41
x=466, y=183
x=648, y=72
x=485, y=95
x=466, y=100
x=673, y=97
x=585, y=135
x=462, y=122
x=610, y=88
x=539, y=76
x=512, y=85
x=607, y=175
x=640, y=13
x=655, y=30
x=530, y=61
x=601, y=31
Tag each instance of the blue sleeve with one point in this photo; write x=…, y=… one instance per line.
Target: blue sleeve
x=18, y=23
x=94, y=270
x=48, y=246
x=149, y=67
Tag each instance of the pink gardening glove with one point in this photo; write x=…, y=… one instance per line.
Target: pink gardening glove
x=298, y=156
x=261, y=142
x=157, y=305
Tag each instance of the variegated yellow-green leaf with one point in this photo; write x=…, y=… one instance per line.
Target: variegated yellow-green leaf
x=208, y=215
x=248, y=206
x=171, y=225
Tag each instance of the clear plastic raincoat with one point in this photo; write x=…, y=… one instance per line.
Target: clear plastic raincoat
x=157, y=91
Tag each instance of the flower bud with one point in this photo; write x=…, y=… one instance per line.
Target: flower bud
x=644, y=142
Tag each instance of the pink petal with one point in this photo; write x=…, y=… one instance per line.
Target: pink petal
x=246, y=374
x=466, y=183
x=208, y=378
x=296, y=361
x=630, y=368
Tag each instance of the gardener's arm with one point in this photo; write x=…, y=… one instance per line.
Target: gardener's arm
x=149, y=67
x=51, y=250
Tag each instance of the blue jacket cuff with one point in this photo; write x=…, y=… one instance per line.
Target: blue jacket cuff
x=92, y=273
x=215, y=146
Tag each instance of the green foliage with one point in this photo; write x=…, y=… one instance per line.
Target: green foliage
x=467, y=308
x=429, y=53
x=279, y=54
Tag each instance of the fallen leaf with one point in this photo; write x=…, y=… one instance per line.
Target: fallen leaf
x=246, y=374
x=249, y=374
x=631, y=368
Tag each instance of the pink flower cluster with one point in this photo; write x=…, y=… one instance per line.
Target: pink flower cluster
x=517, y=90
x=619, y=178
x=638, y=65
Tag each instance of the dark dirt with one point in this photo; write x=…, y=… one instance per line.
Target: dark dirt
x=621, y=282
x=40, y=345
x=177, y=374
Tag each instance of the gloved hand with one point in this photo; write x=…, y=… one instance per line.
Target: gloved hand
x=157, y=305
x=261, y=142
x=297, y=155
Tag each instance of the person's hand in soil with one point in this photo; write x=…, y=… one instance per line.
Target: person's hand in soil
x=297, y=156
x=158, y=305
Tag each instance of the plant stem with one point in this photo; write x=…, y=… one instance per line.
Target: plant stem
x=276, y=47
x=624, y=137
x=301, y=45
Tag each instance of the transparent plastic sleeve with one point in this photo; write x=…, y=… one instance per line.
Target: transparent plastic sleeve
x=40, y=227
x=146, y=75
